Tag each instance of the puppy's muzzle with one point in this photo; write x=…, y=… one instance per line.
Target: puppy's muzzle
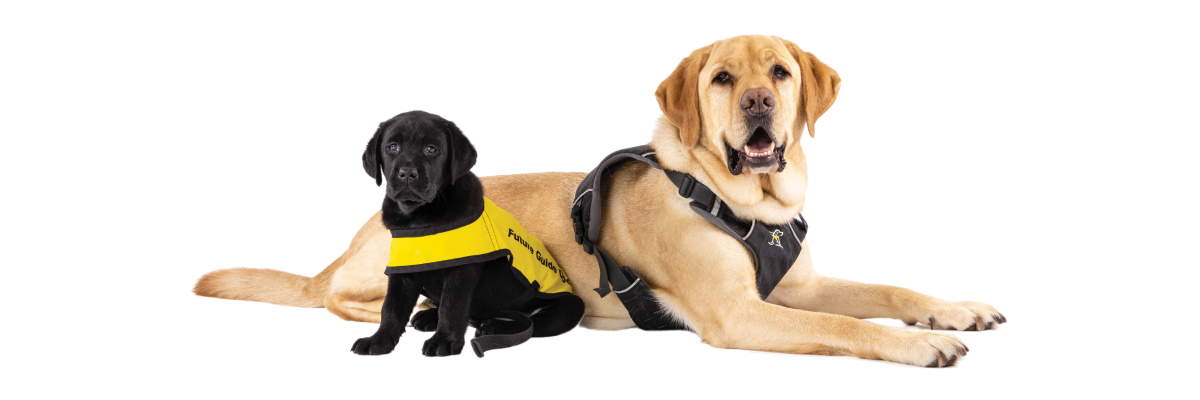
x=757, y=102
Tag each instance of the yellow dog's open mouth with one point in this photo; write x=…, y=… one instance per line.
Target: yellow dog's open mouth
x=759, y=155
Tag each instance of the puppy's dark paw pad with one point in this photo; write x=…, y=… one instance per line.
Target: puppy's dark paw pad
x=425, y=320
x=441, y=345
x=373, y=346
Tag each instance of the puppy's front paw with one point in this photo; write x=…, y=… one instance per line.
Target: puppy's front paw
x=443, y=344
x=373, y=346
x=925, y=349
x=962, y=316
x=425, y=320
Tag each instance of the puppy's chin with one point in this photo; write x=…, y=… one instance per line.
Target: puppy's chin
x=408, y=202
x=407, y=206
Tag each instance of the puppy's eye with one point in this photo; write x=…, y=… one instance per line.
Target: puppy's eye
x=392, y=147
x=779, y=72
x=430, y=150
x=722, y=78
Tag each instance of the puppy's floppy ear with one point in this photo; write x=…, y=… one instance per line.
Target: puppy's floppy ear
x=820, y=83
x=461, y=153
x=678, y=96
x=372, y=157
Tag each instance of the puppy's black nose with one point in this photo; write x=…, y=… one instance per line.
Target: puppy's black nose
x=406, y=174
x=758, y=101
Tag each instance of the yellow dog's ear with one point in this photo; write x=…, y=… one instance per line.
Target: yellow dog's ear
x=820, y=83
x=678, y=96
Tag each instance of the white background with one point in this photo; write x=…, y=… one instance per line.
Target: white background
x=1036, y=156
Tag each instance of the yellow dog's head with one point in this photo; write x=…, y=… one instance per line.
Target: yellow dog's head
x=738, y=108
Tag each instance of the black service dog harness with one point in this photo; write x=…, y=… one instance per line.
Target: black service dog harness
x=774, y=247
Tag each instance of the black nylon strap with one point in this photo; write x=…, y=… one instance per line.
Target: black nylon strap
x=484, y=343
x=609, y=273
x=643, y=306
x=602, y=288
x=691, y=188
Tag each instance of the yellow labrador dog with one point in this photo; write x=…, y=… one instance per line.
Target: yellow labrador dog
x=717, y=105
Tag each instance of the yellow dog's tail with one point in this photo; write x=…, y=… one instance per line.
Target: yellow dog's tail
x=265, y=285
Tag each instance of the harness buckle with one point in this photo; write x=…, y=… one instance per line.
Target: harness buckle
x=686, y=186
x=577, y=222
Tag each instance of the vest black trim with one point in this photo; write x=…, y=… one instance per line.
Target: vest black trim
x=431, y=230
x=774, y=248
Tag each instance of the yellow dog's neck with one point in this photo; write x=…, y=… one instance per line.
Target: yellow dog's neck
x=772, y=198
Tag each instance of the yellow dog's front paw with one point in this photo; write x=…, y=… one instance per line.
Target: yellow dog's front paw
x=961, y=316
x=925, y=349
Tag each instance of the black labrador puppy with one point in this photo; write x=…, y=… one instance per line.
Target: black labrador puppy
x=426, y=161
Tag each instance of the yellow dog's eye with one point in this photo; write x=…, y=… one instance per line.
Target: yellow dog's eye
x=779, y=72
x=723, y=78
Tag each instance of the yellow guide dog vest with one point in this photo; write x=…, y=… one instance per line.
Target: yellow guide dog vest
x=493, y=235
